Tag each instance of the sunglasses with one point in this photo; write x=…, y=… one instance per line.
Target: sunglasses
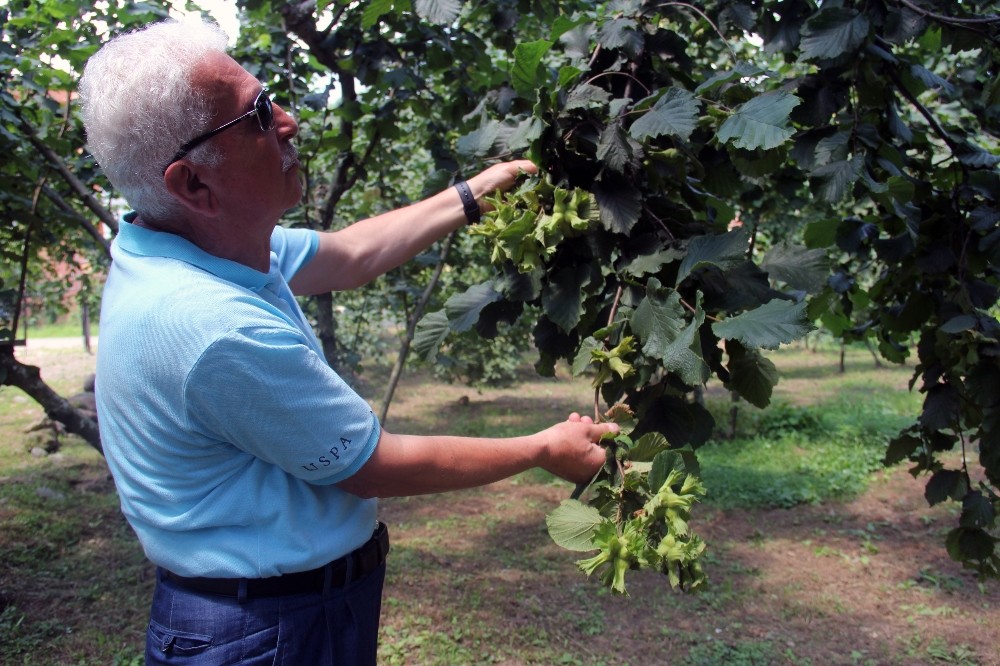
x=265, y=118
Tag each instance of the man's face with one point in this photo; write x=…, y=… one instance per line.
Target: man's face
x=258, y=177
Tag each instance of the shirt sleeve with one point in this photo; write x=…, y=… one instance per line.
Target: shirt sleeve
x=294, y=248
x=266, y=392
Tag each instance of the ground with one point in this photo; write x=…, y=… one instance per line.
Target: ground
x=474, y=578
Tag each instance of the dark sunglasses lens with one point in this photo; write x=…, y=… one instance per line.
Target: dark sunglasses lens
x=265, y=114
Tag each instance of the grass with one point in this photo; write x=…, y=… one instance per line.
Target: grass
x=473, y=577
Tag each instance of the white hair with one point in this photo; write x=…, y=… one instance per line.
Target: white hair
x=139, y=106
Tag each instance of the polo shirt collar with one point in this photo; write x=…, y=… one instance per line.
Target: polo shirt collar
x=150, y=243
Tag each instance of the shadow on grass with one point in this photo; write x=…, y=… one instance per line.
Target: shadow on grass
x=72, y=574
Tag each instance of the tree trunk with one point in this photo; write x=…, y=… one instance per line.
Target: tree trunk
x=326, y=327
x=28, y=378
x=411, y=329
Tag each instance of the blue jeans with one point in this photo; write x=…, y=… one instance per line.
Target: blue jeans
x=339, y=626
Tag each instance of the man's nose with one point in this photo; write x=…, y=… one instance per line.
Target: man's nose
x=284, y=124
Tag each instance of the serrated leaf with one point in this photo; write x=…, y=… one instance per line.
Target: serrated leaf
x=586, y=95
x=527, y=57
x=775, y=323
x=430, y=332
x=572, y=525
x=674, y=114
x=441, y=12
x=583, y=360
x=562, y=297
x=752, y=376
x=647, y=264
x=833, y=181
x=647, y=447
x=761, y=122
x=374, y=10
x=613, y=149
x=821, y=233
x=900, y=448
x=620, y=33
x=833, y=32
x=620, y=205
x=660, y=324
x=722, y=250
x=977, y=510
x=946, y=483
x=798, y=267
x=463, y=309
x=964, y=543
x=479, y=142
x=941, y=407
x=658, y=320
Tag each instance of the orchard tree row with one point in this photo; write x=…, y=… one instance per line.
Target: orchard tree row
x=716, y=178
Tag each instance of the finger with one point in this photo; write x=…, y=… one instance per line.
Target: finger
x=574, y=417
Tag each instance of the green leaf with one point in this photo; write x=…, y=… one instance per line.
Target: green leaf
x=620, y=33
x=946, y=483
x=479, y=142
x=941, y=407
x=614, y=150
x=583, y=360
x=527, y=58
x=441, y=12
x=660, y=324
x=430, y=332
x=620, y=204
x=977, y=510
x=586, y=96
x=658, y=320
x=463, y=309
x=775, y=323
x=833, y=181
x=572, y=525
x=647, y=447
x=833, y=32
x=761, y=122
x=965, y=543
x=900, y=448
x=797, y=266
x=751, y=375
x=374, y=10
x=647, y=264
x=821, y=233
x=723, y=250
x=562, y=297
x=674, y=114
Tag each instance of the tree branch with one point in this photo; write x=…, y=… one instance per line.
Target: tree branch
x=28, y=378
x=411, y=327
x=75, y=183
x=64, y=206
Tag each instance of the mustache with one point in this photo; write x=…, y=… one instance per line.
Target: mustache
x=289, y=158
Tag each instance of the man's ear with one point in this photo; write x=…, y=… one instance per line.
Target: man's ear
x=182, y=181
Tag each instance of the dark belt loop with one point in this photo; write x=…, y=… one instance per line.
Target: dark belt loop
x=241, y=592
x=327, y=580
x=348, y=569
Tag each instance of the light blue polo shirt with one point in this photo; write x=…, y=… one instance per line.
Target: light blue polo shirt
x=222, y=423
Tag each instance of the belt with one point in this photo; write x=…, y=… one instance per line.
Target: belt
x=338, y=573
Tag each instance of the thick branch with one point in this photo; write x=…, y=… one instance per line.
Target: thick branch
x=951, y=20
x=924, y=111
x=78, y=186
x=28, y=378
x=64, y=206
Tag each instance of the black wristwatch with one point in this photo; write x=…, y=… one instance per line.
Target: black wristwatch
x=469, y=204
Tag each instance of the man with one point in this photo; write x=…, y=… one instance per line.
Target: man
x=246, y=466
